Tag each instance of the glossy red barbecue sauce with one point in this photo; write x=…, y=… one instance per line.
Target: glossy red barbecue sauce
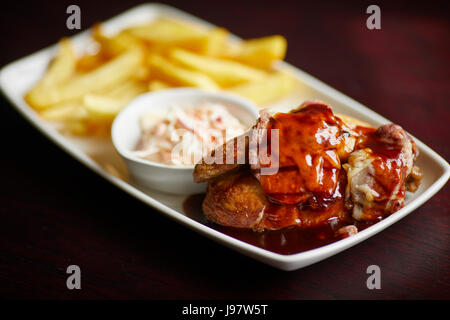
x=309, y=187
x=283, y=241
x=369, y=138
x=307, y=194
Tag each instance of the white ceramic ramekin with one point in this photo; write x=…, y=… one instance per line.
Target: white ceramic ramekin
x=126, y=131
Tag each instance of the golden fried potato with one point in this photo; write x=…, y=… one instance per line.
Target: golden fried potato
x=163, y=35
x=163, y=69
x=166, y=31
x=216, y=42
x=89, y=62
x=109, y=74
x=156, y=85
x=67, y=111
x=224, y=72
x=113, y=46
x=266, y=90
x=106, y=107
x=262, y=52
x=86, y=93
x=60, y=69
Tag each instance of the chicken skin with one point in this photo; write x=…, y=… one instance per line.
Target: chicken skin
x=232, y=155
x=236, y=199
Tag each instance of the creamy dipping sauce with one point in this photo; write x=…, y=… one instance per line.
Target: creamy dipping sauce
x=183, y=135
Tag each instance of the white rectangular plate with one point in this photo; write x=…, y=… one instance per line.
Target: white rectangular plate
x=99, y=155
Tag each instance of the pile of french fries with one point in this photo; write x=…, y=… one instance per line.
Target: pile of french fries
x=86, y=93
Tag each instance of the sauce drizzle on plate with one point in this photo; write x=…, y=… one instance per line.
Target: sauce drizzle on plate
x=284, y=241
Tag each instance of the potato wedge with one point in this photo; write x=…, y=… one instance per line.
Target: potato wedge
x=267, y=90
x=224, y=72
x=164, y=70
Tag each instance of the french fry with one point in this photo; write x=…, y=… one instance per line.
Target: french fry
x=164, y=70
x=104, y=107
x=86, y=94
x=127, y=88
x=68, y=111
x=62, y=66
x=60, y=69
x=216, y=42
x=77, y=127
x=166, y=31
x=267, y=90
x=88, y=63
x=107, y=75
x=224, y=72
x=113, y=46
x=202, y=45
x=262, y=52
x=213, y=43
x=164, y=35
x=156, y=85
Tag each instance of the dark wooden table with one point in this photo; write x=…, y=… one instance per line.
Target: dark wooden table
x=54, y=212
